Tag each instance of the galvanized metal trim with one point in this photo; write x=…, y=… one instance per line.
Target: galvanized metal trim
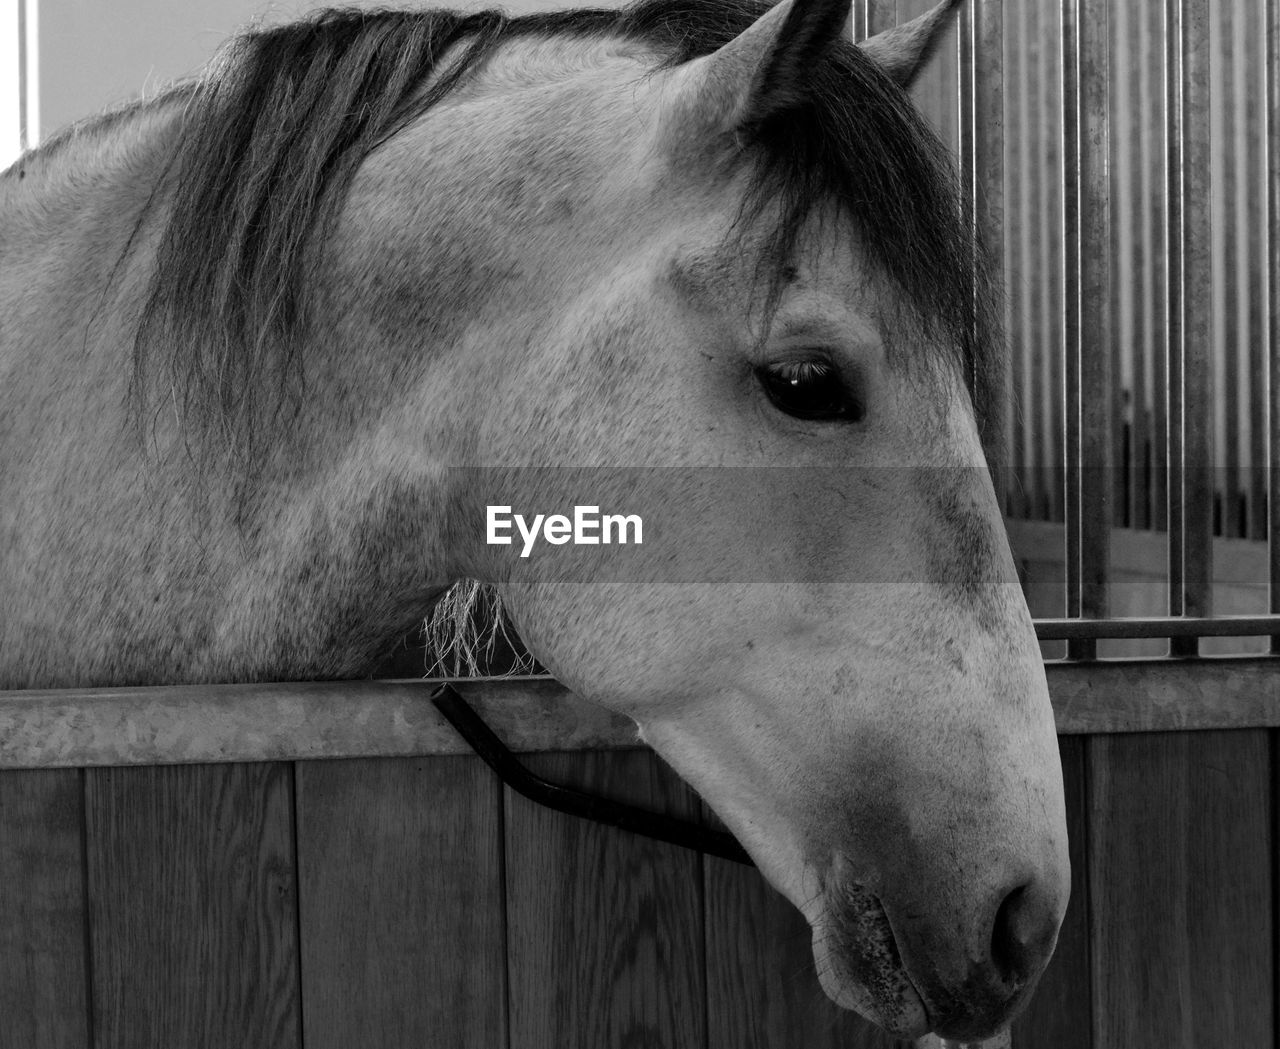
x=1158, y=627
x=1272, y=117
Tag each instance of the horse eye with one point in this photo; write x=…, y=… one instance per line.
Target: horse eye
x=809, y=389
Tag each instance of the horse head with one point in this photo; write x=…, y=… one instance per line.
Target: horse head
x=699, y=261
x=711, y=267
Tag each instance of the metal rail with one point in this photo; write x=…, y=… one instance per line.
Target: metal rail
x=1157, y=627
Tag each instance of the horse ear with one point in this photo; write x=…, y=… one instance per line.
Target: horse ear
x=903, y=51
x=758, y=73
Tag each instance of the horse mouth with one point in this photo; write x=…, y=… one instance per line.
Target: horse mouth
x=859, y=966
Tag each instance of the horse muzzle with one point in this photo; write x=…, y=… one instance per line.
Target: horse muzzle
x=912, y=972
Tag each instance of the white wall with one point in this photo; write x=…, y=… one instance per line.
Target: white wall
x=9, y=106
x=97, y=52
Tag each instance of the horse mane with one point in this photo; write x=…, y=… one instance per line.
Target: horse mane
x=274, y=132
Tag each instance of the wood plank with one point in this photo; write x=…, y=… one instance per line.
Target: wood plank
x=192, y=889
x=187, y=724
x=43, y=973
x=1165, y=695
x=1180, y=890
x=393, y=718
x=604, y=928
x=762, y=990
x=1058, y=1016
x=400, y=883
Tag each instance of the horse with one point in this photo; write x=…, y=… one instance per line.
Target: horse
x=273, y=339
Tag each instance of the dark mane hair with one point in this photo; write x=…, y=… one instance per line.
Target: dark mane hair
x=274, y=134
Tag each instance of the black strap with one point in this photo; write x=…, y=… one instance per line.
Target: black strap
x=484, y=742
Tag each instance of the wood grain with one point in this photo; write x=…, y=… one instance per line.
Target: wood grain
x=400, y=881
x=302, y=720
x=605, y=928
x=762, y=990
x=43, y=971
x=1058, y=1016
x=1181, y=894
x=1165, y=695
x=188, y=724
x=191, y=881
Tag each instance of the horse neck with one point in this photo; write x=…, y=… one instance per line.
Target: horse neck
x=122, y=563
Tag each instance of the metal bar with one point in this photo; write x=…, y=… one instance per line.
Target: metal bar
x=1017, y=253
x=986, y=36
x=587, y=806
x=881, y=15
x=1272, y=118
x=1051, y=234
x=1035, y=174
x=966, y=144
x=1154, y=103
x=1158, y=627
x=1131, y=46
x=1102, y=93
x=1072, y=346
x=24, y=135
x=1094, y=310
x=1069, y=318
x=1197, y=318
x=1255, y=121
x=858, y=21
x=1173, y=302
x=1227, y=239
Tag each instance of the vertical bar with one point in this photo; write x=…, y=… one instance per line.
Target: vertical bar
x=1036, y=174
x=1155, y=103
x=1126, y=325
x=1173, y=301
x=29, y=72
x=1273, y=302
x=858, y=20
x=1071, y=311
x=24, y=137
x=1253, y=45
x=1098, y=394
x=1197, y=320
x=1104, y=50
x=1070, y=317
x=881, y=15
x=965, y=106
x=1134, y=44
x=1052, y=229
x=986, y=47
x=1016, y=259
x=1227, y=241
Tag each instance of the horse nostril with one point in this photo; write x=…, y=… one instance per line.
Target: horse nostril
x=1014, y=938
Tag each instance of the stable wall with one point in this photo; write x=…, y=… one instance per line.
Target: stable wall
x=389, y=901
